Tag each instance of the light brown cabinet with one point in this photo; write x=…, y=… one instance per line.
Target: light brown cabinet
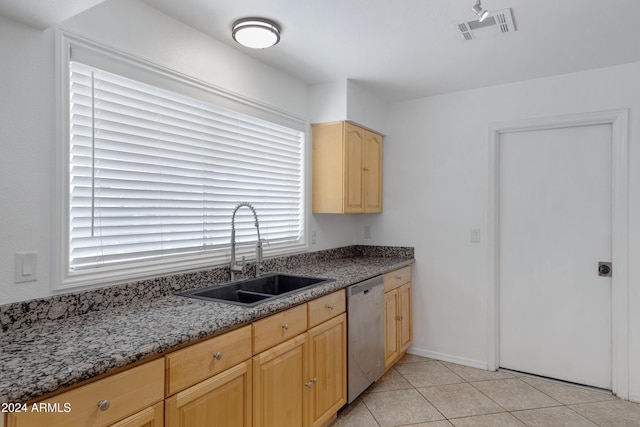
x=209, y=383
x=197, y=362
x=328, y=369
x=129, y=398
x=347, y=169
x=224, y=400
x=279, y=378
x=398, y=324
x=279, y=328
x=302, y=382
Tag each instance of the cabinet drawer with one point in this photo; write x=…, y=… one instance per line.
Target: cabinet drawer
x=279, y=328
x=326, y=307
x=127, y=393
x=396, y=278
x=195, y=363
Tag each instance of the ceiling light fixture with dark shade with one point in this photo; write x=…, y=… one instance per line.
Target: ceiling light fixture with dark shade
x=480, y=11
x=256, y=33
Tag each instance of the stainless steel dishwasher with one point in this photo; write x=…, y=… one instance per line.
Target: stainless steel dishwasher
x=365, y=326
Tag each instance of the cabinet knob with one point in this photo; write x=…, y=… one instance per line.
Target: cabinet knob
x=104, y=404
x=400, y=318
x=311, y=382
x=285, y=326
x=330, y=307
x=217, y=355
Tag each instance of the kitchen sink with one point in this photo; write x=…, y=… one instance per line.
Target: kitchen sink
x=251, y=292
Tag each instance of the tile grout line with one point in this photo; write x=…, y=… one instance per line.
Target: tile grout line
x=369, y=410
x=564, y=404
x=425, y=397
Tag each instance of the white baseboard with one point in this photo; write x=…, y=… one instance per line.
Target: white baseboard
x=634, y=397
x=449, y=358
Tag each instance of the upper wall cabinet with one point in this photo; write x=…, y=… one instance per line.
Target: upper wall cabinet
x=347, y=169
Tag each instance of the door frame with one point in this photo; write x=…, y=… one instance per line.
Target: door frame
x=619, y=121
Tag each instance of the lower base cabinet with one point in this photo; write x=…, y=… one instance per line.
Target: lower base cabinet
x=279, y=378
x=131, y=398
x=302, y=382
x=221, y=401
x=328, y=365
x=398, y=324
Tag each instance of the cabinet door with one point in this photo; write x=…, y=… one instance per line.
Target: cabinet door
x=150, y=417
x=280, y=398
x=391, y=349
x=221, y=401
x=328, y=369
x=404, y=323
x=353, y=170
x=372, y=172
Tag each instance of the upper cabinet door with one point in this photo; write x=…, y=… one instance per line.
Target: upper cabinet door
x=372, y=172
x=354, y=141
x=347, y=169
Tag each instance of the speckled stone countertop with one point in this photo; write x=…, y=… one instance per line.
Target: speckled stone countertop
x=49, y=355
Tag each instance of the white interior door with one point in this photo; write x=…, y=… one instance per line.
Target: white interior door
x=554, y=227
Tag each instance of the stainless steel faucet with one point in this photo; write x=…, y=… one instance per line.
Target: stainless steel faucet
x=241, y=268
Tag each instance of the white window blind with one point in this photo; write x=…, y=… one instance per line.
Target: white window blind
x=155, y=174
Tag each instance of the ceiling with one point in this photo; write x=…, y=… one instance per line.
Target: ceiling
x=405, y=49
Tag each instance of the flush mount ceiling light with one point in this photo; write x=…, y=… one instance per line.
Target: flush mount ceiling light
x=478, y=10
x=256, y=33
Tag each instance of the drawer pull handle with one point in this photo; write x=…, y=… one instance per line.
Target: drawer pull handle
x=400, y=318
x=311, y=382
x=330, y=307
x=399, y=277
x=104, y=405
x=217, y=355
x=285, y=326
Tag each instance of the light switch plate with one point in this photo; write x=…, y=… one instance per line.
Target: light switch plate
x=26, y=267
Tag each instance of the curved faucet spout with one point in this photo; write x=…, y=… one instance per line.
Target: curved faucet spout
x=240, y=268
x=255, y=216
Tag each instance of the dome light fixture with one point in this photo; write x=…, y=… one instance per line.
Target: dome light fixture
x=480, y=11
x=256, y=33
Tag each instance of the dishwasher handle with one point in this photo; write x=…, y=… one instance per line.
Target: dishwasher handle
x=365, y=286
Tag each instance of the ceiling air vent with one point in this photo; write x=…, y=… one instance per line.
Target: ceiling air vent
x=498, y=23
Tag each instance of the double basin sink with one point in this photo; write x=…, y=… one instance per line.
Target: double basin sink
x=251, y=292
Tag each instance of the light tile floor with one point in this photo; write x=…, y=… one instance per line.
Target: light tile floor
x=421, y=392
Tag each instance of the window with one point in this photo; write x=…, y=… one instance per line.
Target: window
x=154, y=176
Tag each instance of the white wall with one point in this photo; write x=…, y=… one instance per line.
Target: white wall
x=347, y=100
x=26, y=136
x=27, y=117
x=436, y=186
x=328, y=102
x=365, y=108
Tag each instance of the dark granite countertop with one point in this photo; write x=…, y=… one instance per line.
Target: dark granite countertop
x=50, y=355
